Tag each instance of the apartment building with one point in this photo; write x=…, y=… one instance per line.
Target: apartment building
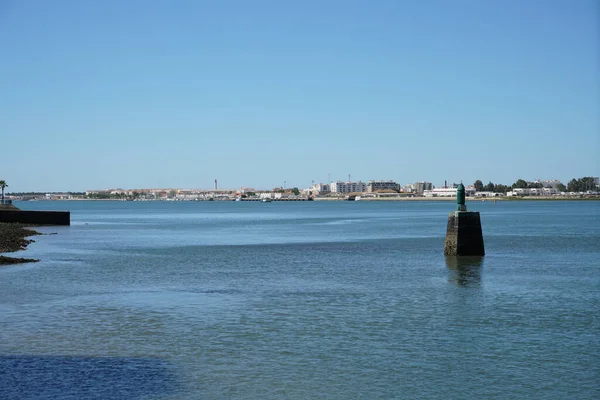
x=421, y=187
x=373, y=186
x=348, y=187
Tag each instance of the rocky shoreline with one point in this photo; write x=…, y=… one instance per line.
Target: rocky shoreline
x=14, y=237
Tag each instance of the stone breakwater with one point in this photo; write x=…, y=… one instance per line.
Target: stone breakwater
x=14, y=237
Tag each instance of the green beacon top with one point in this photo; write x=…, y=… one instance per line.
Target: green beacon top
x=460, y=198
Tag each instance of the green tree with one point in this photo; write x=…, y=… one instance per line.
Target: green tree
x=296, y=191
x=587, y=183
x=489, y=187
x=3, y=185
x=520, y=184
x=561, y=187
x=99, y=196
x=478, y=185
x=573, y=185
x=582, y=184
x=172, y=194
x=501, y=188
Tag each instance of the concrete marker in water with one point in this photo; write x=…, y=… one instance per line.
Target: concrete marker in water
x=463, y=234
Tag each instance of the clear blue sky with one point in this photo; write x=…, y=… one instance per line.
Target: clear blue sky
x=132, y=94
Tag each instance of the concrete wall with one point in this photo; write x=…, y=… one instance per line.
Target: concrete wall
x=36, y=217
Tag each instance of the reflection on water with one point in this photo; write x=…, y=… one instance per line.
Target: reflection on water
x=67, y=377
x=465, y=270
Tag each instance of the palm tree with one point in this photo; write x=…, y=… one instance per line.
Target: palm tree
x=3, y=185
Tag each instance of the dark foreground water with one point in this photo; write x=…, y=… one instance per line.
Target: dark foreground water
x=341, y=300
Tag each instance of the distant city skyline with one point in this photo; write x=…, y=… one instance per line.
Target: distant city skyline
x=107, y=94
x=419, y=185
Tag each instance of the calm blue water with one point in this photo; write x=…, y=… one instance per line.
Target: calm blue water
x=335, y=300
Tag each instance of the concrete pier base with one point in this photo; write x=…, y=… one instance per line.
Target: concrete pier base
x=463, y=235
x=35, y=217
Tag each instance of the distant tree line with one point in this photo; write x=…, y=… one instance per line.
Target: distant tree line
x=117, y=196
x=107, y=196
x=582, y=184
x=491, y=187
x=575, y=185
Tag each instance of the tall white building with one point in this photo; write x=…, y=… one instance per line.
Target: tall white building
x=348, y=187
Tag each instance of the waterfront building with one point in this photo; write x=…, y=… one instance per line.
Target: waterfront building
x=318, y=189
x=373, y=186
x=421, y=187
x=547, y=191
x=486, y=194
x=348, y=187
x=518, y=192
x=58, y=196
x=270, y=195
x=245, y=190
x=410, y=188
x=447, y=192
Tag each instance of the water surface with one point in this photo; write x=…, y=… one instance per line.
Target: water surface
x=337, y=300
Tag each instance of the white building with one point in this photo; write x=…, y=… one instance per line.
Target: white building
x=547, y=191
x=550, y=191
x=518, y=192
x=486, y=194
x=319, y=188
x=348, y=187
x=269, y=195
x=410, y=188
x=447, y=192
x=58, y=196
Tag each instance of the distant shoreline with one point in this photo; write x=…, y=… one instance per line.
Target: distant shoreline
x=469, y=199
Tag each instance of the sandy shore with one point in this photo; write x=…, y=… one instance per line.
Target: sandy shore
x=13, y=237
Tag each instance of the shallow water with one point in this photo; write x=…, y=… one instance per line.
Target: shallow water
x=331, y=300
